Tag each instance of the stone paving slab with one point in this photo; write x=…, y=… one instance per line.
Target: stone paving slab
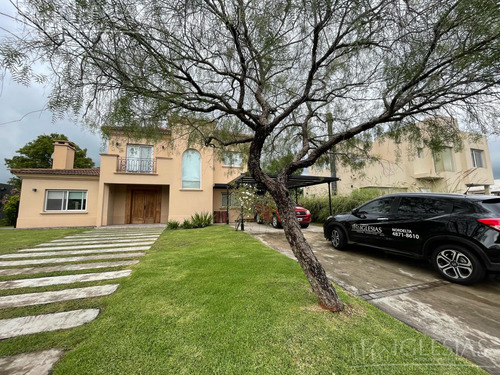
x=27, y=325
x=54, y=248
x=67, y=267
x=43, y=298
x=59, y=280
x=72, y=252
x=37, y=363
x=97, y=240
x=115, y=232
x=24, y=262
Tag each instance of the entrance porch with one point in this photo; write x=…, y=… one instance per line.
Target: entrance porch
x=135, y=204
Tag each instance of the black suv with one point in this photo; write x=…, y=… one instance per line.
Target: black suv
x=459, y=234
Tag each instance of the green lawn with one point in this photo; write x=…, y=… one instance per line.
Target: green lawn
x=216, y=301
x=14, y=239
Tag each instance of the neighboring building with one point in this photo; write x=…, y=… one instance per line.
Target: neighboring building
x=494, y=189
x=399, y=169
x=138, y=182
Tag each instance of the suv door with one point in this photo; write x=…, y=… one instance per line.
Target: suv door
x=368, y=222
x=415, y=219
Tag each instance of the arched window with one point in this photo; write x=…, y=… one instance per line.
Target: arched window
x=191, y=169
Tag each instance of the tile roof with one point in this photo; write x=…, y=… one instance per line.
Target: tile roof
x=72, y=172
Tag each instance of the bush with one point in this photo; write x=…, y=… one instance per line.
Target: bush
x=201, y=220
x=187, y=224
x=320, y=209
x=173, y=224
x=10, y=209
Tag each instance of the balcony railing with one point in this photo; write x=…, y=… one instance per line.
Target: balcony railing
x=136, y=165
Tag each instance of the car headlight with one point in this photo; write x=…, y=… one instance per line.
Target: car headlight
x=308, y=212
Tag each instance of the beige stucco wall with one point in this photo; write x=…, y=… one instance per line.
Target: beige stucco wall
x=177, y=203
x=31, y=208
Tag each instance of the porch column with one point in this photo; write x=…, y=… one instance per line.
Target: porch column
x=102, y=205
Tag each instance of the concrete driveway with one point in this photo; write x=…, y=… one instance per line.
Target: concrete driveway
x=464, y=318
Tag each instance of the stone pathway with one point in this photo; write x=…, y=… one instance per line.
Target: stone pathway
x=108, y=247
x=69, y=259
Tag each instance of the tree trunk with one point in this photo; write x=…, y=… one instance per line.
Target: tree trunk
x=315, y=273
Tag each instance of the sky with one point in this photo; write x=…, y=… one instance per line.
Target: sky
x=22, y=121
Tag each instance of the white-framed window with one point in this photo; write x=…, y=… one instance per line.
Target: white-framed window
x=66, y=200
x=443, y=161
x=231, y=159
x=140, y=158
x=420, y=153
x=191, y=169
x=229, y=198
x=477, y=158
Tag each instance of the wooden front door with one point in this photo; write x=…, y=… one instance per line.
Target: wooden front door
x=145, y=206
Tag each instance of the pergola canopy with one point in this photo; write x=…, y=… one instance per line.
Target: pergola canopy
x=294, y=181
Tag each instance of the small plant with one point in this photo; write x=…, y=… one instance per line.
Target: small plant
x=187, y=224
x=201, y=220
x=173, y=224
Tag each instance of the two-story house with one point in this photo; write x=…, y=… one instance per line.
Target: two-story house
x=401, y=167
x=138, y=182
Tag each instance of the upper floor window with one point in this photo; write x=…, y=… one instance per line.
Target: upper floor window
x=191, y=169
x=477, y=158
x=140, y=158
x=66, y=200
x=231, y=159
x=443, y=160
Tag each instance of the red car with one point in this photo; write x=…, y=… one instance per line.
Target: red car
x=265, y=214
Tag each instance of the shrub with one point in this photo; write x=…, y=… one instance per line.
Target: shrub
x=187, y=224
x=320, y=209
x=173, y=224
x=10, y=209
x=201, y=220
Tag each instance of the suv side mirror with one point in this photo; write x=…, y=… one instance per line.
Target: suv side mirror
x=356, y=212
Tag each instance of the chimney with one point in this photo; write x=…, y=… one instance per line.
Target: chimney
x=64, y=155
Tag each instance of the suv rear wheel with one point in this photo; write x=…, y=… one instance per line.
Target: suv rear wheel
x=458, y=264
x=338, y=238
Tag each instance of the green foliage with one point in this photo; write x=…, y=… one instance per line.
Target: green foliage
x=274, y=166
x=173, y=224
x=187, y=224
x=201, y=220
x=38, y=154
x=10, y=203
x=319, y=206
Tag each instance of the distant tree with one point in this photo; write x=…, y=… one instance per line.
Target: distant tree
x=270, y=69
x=38, y=154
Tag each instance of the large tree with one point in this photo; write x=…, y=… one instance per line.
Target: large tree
x=38, y=154
x=271, y=69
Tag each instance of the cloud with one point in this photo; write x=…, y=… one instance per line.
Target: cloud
x=21, y=121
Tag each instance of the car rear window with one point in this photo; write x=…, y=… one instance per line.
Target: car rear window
x=492, y=205
x=419, y=205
